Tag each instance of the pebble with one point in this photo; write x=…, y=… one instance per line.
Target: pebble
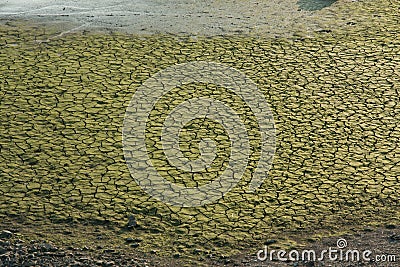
x=17, y=254
x=6, y=234
x=135, y=245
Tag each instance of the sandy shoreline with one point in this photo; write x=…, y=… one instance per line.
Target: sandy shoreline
x=187, y=17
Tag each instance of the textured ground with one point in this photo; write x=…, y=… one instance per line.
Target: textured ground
x=208, y=17
x=335, y=98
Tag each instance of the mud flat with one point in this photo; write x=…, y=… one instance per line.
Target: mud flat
x=187, y=17
x=334, y=92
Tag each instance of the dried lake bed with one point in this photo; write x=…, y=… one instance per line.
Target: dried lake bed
x=330, y=77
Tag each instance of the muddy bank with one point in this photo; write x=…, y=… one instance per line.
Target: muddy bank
x=187, y=17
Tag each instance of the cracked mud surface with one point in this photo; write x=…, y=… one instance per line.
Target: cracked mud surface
x=334, y=95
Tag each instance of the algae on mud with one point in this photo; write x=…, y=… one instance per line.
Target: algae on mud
x=334, y=96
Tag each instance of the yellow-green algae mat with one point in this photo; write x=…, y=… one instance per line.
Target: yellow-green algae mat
x=335, y=98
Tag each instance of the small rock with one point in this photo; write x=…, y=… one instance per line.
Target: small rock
x=270, y=242
x=135, y=245
x=129, y=240
x=28, y=263
x=6, y=234
x=4, y=243
x=131, y=221
x=394, y=238
x=99, y=262
x=46, y=247
x=197, y=251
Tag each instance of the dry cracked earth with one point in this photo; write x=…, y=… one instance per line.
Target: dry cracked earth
x=67, y=197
